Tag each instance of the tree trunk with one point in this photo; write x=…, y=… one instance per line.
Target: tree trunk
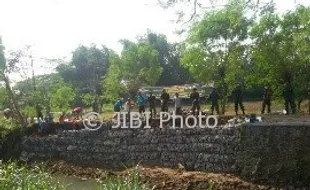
x=14, y=102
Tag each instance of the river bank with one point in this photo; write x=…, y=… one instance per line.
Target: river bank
x=157, y=178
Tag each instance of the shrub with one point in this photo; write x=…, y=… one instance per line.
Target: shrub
x=131, y=181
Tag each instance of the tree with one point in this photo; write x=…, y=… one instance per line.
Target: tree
x=112, y=82
x=140, y=65
x=188, y=11
x=62, y=99
x=86, y=69
x=173, y=73
x=215, y=50
x=46, y=87
x=276, y=40
x=8, y=65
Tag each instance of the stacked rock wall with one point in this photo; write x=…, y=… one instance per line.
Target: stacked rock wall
x=196, y=149
x=275, y=152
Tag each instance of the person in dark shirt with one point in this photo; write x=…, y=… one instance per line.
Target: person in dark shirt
x=165, y=97
x=266, y=99
x=238, y=99
x=118, y=105
x=196, y=103
x=288, y=95
x=152, y=104
x=214, y=100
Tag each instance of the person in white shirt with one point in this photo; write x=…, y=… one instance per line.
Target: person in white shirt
x=177, y=104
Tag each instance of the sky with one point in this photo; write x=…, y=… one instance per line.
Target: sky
x=54, y=28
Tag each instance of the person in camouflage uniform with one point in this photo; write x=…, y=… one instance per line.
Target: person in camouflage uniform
x=214, y=101
x=289, y=102
x=196, y=101
x=267, y=99
x=238, y=99
x=165, y=97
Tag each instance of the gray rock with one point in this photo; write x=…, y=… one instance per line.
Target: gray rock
x=71, y=147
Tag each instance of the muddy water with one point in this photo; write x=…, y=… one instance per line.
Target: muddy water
x=76, y=183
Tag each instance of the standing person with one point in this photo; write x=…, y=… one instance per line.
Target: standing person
x=238, y=99
x=266, y=99
x=165, y=97
x=39, y=112
x=196, y=103
x=289, y=102
x=177, y=104
x=128, y=106
x=118, y=106
x=152, y=104
x=214, y=100
x=309, y=100
x=141, y=103
x=49, y=117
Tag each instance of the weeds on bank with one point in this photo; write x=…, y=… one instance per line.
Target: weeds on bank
x=16, y=177
x=129, y=182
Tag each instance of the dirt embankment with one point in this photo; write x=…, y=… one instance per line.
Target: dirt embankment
x=163, y=178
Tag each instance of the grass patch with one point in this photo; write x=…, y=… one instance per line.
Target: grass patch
x=129, y=181
x=17, y=177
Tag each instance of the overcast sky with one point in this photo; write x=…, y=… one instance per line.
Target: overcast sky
x=56, y=27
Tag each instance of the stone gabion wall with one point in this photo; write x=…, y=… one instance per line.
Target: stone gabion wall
x=206, y=149
x=275, y=153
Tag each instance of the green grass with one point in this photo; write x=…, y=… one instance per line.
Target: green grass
x=20, y=177
x=15, y=176
x=131, y=181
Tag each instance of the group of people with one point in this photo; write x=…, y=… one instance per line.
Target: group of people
x=289, y=99
x=141, y=101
